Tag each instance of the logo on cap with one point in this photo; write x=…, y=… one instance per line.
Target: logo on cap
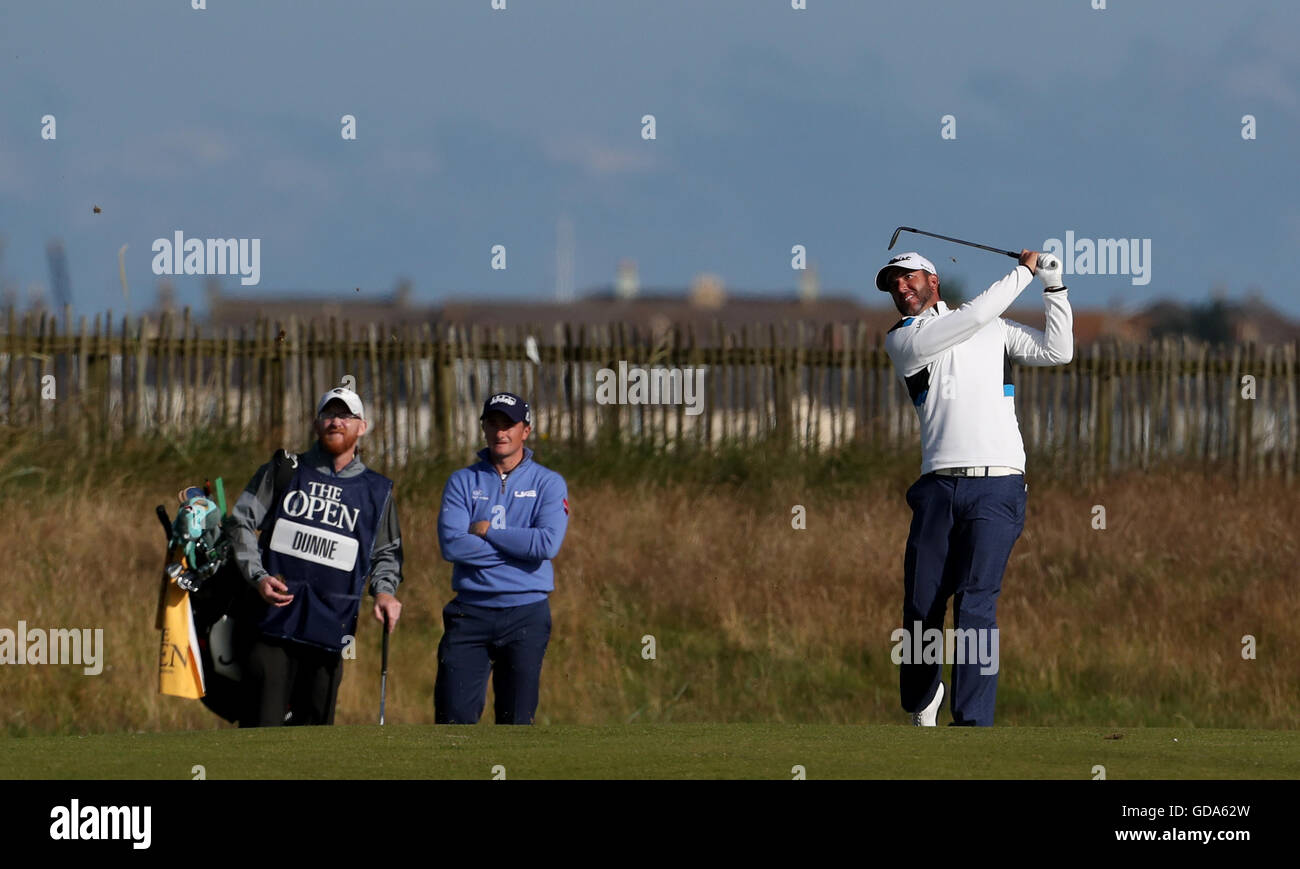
x=510, y=404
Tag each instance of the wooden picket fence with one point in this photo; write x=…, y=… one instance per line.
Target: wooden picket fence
x=1116, y=406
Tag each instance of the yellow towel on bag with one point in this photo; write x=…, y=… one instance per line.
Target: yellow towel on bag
x=180, y=670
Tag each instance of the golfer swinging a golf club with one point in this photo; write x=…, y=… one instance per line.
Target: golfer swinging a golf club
x=968, y=507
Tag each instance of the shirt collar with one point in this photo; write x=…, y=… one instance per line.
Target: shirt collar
x=484, y=455
x=316, y=457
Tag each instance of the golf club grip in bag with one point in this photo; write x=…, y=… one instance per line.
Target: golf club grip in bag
x=228, y=604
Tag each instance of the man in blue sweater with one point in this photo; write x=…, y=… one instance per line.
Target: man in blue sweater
x=502, y=521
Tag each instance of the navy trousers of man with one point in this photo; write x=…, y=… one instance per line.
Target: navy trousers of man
x=963, y=529
x=509, y=642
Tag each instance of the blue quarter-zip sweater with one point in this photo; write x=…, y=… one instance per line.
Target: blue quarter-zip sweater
x=529, y=512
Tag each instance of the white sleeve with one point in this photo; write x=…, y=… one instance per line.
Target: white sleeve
x=914, y=345
x=1054, y=346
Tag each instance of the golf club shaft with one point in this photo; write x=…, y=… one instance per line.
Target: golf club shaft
x=1011, y=254
x=383, y=675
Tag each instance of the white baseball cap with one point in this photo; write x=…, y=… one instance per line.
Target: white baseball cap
x=345, y=395
x=910, y=261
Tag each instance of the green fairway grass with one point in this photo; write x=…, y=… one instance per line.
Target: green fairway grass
x=676, y=751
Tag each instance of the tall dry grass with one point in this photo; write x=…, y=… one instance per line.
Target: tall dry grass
x=1138, y=624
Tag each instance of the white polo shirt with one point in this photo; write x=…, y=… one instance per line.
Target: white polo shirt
x=956, y=365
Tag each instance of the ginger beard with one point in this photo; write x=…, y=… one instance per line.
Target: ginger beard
x=337, y=436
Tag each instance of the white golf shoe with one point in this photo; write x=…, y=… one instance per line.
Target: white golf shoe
x=928, y=716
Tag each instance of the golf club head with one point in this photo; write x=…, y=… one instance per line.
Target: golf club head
x=894, y=240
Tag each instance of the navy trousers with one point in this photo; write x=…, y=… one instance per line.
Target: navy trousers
x=963, y=529
x=509, y=642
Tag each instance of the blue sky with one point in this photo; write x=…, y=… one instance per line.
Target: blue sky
x=774, y=127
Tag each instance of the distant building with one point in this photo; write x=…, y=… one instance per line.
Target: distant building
x=1256, y=320
x=809, y=285
x=1089, y=325
x=708, y=306
x=628, y=282
x=658, y=312
x=708, y=292
x=1220, y=320
x=358, y=307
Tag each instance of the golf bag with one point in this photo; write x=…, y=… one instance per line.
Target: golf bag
x=200, y=562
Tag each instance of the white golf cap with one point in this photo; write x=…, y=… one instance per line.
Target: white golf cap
x=910, y=261
x=345, y=395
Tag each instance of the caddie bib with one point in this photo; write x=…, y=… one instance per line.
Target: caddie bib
x=319, y=540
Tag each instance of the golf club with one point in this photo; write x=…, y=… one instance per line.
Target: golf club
x=383, y=674
x=1045, y=261
x=892, y=241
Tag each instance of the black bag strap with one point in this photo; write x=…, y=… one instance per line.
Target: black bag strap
x=284, y=465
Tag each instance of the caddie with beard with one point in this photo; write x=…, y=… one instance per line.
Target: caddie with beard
x=331, y=528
